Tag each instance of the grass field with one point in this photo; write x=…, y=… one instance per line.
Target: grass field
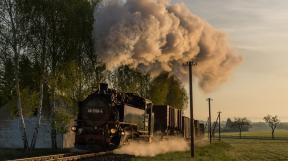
x=215, y=152
x=231, y=150
x=226, y=150
x=234, y=150
x=278, y=133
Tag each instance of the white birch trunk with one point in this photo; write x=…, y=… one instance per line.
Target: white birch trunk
x=39, y=117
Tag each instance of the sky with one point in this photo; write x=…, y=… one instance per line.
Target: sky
x=258, y=31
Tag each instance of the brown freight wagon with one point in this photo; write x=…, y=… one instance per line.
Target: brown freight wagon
x=168, y=120
x=199, y=128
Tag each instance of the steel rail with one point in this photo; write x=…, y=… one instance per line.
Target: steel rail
x=63, y=157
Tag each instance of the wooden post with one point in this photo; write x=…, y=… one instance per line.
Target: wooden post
x=209, y=122
x=191, y=63
x=219, y=128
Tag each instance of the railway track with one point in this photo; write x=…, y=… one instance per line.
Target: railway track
x=65, y=157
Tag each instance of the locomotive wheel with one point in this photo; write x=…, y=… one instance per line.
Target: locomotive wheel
x=116, y=140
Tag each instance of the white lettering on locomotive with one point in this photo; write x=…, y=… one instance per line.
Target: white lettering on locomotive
x=95, y=110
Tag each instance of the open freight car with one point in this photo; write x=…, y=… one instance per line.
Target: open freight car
x=199, y=128
x=167, y=120
x=170, y=121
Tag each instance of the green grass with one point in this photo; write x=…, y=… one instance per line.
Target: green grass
x=231, y=150
x=278, y=133
x=234, y=150
x=258, y=150
x=214, y=152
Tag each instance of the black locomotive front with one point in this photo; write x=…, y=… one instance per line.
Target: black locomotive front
x=98, y=120
x=108, y=118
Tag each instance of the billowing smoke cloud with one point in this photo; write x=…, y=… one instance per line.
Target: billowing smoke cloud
x=154, y=148
x=155, y=36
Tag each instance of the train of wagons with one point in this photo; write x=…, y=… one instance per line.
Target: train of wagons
x=108, y=119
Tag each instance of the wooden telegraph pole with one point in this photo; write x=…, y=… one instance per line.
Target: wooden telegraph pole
x=209, y=120
x=219, y=127
x=191, y=64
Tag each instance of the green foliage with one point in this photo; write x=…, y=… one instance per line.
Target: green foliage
x=242, y=124
x=62, y=120
x=159, y=89
x=28, y=75
x=46, y=43
x=167, y=89
x=7, y=82
x=176, y=96
x=126, y=79
x=29, y=103
x=229, y=127
x=68, y=81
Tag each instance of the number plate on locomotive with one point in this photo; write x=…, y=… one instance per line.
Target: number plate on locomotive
x=95, y=110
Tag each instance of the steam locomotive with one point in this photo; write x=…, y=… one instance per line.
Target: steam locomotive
x=107, y=119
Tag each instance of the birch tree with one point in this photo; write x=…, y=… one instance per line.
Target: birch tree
x=12, y=32
x=39, y=46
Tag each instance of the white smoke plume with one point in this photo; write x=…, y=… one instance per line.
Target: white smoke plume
x=154, y=148
x=155, y=36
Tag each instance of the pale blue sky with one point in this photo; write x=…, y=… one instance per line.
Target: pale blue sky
x=258, y=30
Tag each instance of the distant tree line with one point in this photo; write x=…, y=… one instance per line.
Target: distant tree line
x=264, y=126
x=243, y=124
x=48, y=64
x=237, y=125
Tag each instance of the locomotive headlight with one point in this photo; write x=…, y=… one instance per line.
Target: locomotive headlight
x=73, y=128
x=113, y=131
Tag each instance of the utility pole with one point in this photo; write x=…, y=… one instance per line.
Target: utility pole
x=209, y=122
x=191, y=64
x=219, y=128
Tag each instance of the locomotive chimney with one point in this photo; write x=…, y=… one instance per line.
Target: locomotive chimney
x=103, y=88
